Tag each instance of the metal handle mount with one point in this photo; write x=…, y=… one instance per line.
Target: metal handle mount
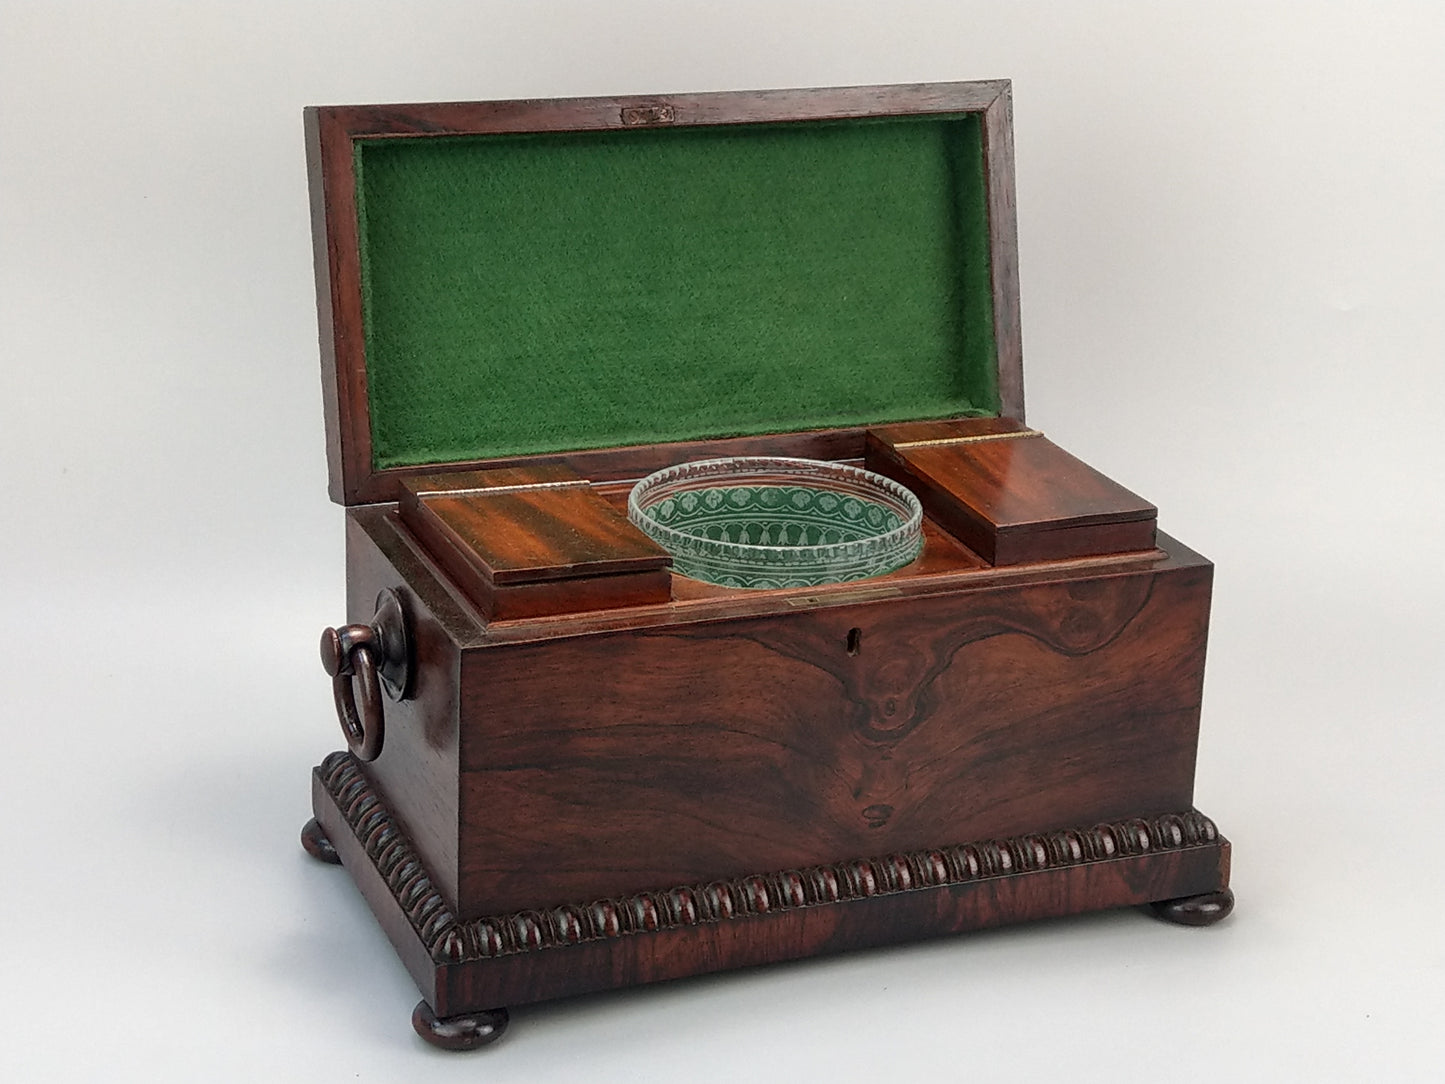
x=375, y=657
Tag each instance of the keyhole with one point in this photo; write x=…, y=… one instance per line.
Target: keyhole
x=855, y=641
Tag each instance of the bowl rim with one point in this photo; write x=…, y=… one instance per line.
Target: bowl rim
x=785, y=467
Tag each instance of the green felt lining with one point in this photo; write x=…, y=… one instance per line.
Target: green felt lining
x=547, y=292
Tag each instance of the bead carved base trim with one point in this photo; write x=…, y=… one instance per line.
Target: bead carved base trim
x=449, y=941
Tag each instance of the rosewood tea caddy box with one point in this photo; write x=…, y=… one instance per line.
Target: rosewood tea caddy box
x=572, y=768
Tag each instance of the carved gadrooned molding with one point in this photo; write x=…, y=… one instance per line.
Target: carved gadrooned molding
x=450, y=942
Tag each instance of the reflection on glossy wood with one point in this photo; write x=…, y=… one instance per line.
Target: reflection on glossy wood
x=1015, y=496
x=528, y=542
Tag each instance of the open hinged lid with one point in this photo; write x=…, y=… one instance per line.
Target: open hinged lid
x=593, y=282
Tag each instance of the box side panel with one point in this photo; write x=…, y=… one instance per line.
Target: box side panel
x=416, y=773
x=652, y=758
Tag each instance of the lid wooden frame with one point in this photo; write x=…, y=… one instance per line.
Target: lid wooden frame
x=331, y=132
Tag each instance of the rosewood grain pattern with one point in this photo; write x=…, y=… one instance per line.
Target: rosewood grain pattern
x=869, y=922
x=1014, y=548
x=589, y=945
x=554, y=598
x=950, y=569
x=381, y=553
x=998, y=153
x=336, y=248
x=1029, y=482
x=520, y=548
x=1017, y=497
x=656, y=756
x=573, y=734
x=727, y=107
x=525, y=535
x=330, y=267
x=589, y=594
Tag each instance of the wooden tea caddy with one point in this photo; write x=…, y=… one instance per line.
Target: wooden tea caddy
x=571, y=770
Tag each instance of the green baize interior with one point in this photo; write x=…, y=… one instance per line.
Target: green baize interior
x=548, y=292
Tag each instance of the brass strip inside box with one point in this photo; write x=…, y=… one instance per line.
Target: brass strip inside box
x=487, y=490
x=974, y=438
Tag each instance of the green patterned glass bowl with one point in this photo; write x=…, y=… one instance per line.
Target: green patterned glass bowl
x=763, y=522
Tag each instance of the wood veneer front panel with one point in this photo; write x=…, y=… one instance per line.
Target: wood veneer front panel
x=603, y=764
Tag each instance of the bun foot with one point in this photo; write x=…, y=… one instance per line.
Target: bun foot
x=313, y=839
x=1203, y=910
x=465, y=1032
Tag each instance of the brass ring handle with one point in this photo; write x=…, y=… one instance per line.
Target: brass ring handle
x=364, y=729
x=346, y=656
x=376, y=657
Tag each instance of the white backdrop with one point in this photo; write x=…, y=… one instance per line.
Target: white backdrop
x=1232, y=228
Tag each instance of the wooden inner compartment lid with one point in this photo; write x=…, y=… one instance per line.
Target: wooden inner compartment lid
x=534, y=541
x=1010, y=493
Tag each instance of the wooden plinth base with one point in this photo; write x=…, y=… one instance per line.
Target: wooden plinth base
x=467, y=969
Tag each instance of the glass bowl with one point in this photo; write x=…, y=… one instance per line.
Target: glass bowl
x=758, y=521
